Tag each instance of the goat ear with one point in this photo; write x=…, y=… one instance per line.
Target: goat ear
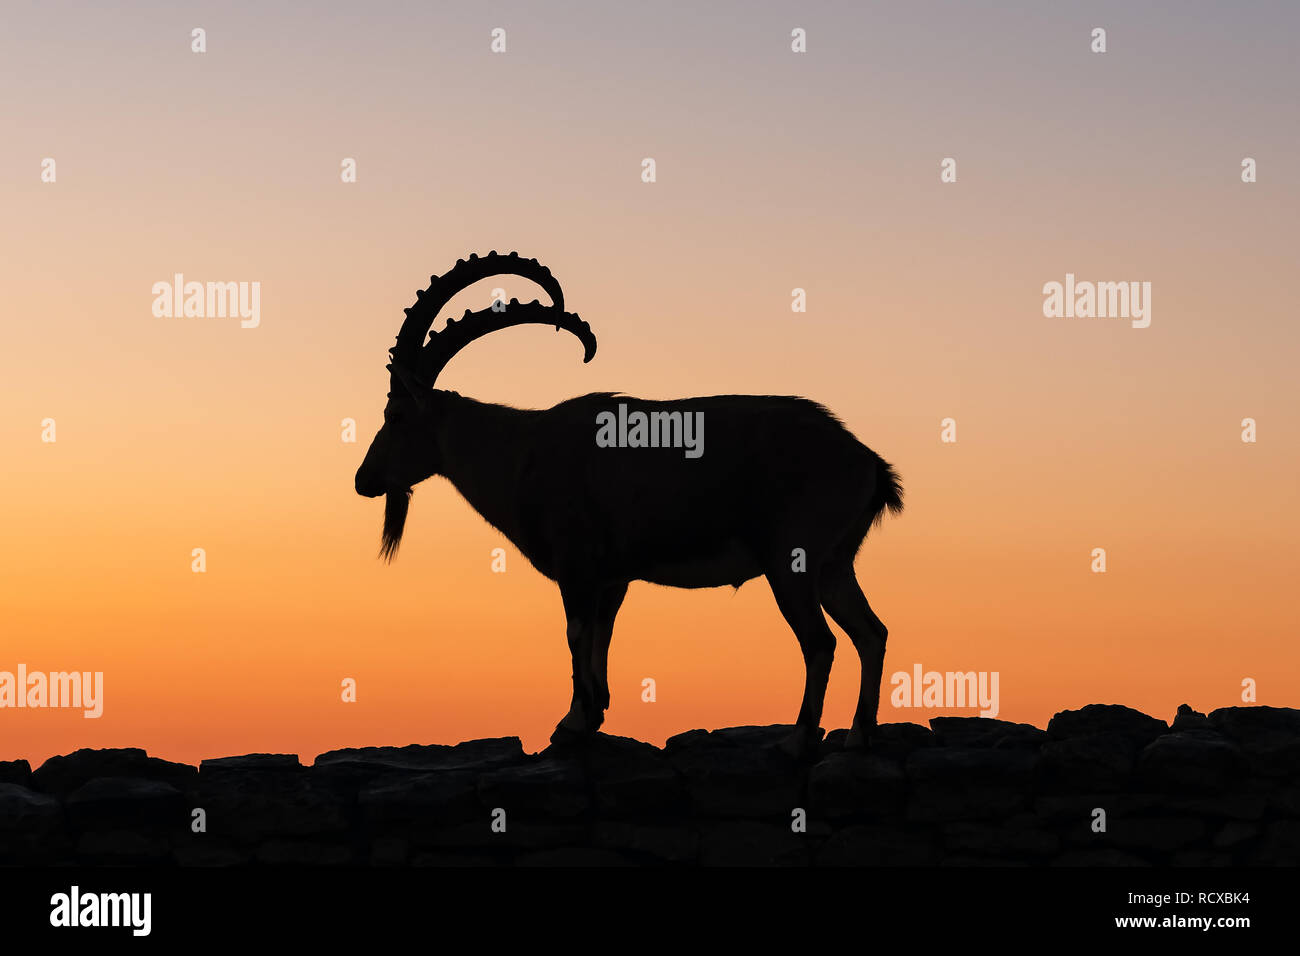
x=414, y=387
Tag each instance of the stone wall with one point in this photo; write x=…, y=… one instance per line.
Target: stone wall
x=1217, y=789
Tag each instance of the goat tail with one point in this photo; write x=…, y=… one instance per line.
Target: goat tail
x=888, y=495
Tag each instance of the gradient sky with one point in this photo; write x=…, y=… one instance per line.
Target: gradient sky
x=775, y=171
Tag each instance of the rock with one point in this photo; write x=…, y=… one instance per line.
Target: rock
x=738, y=773
x=1285, y=800
x=16, y=771
x=302, y=853
x=833, y=742
x=121, y=848
x=1112, y=720
x=671, y=843
x=951, y=783
x=1237, y=806
x=750, y=736
x=127, y=803
x=1269, y=736
x=1196, y=857
x=63, y=774
x=1103, y=856
x=354, y=766
x=879, y=845
x=1257, y=721
x=985, y=732
x=543, y=787
x=31, y=828
x=964, y=766
x=285, y=763
x=416, y=803
x=519, y=835
x=897, y=741
x=444, y=859
x=751, y=843
x=248, y=806
x=1188, y=719
x=1195, y=761
x=1215, y=790
x=1072, y=814
x=389, y=851
x=1234, y=833
x=631, y=778
x=1017, y=838
x=199, y=852
x=1279, y=846
x=1283, y=833
x=1087, y=762
x=980, y=861
x=852, y=783
x=25, y=811
x=1153, y=832
x=573, y=856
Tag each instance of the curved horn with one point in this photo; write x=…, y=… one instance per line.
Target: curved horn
x=421, y=316
x=473, y=325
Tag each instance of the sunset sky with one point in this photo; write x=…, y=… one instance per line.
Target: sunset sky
x=775, y=170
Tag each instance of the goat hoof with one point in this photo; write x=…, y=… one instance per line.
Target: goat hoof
x=564, y=736
x=856, y=740
x=572, y=736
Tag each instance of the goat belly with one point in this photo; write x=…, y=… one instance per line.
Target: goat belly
x=731, y=565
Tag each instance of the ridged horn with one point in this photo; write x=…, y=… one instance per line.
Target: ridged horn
x=444, y=345
x=429, y=302
x=426, y=361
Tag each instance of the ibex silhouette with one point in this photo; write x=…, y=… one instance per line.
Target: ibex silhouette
x=783, y=489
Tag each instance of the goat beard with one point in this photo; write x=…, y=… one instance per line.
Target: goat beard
x=396, y=503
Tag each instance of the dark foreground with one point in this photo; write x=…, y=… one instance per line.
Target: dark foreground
x=1102, y=786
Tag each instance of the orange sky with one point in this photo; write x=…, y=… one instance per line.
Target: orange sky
x=775, y=171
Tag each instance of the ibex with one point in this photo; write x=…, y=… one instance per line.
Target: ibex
x=782, y=489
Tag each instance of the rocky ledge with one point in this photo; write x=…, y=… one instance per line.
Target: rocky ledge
x=1101, y=786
